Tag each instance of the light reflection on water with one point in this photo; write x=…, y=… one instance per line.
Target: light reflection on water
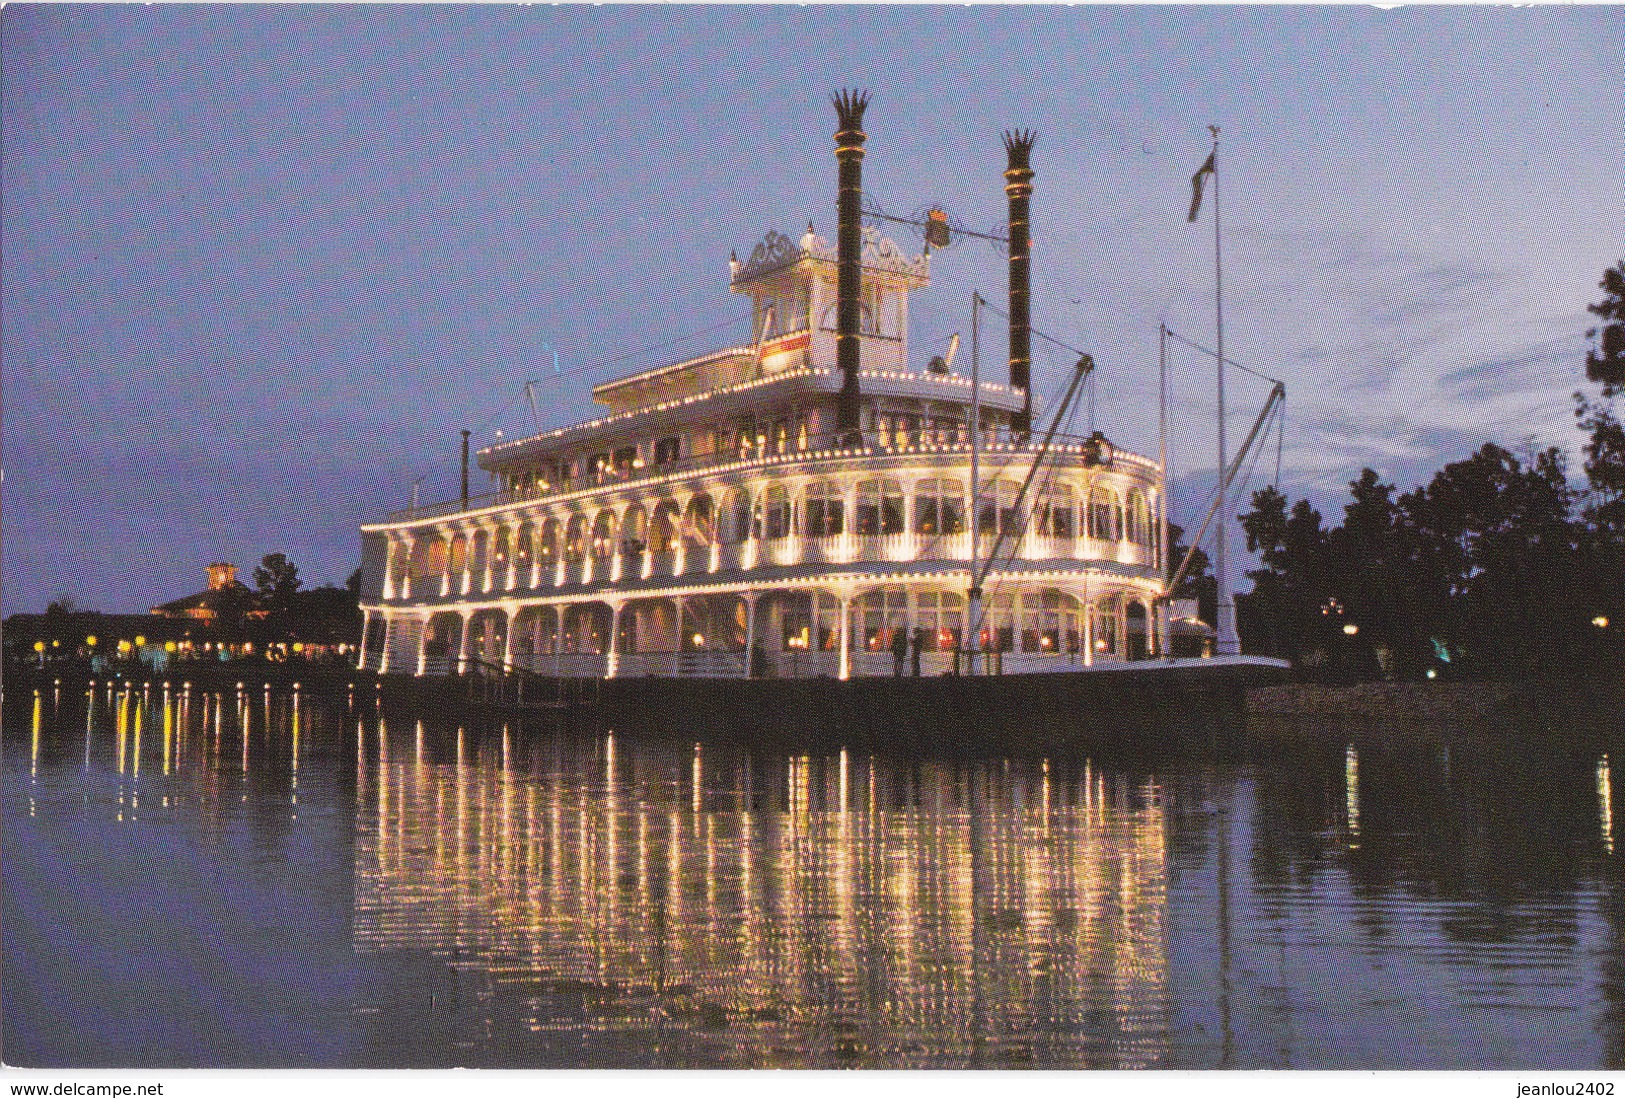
x=259, y=878
x=841, y=907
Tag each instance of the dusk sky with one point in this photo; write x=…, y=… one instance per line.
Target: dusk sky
x=260, y=264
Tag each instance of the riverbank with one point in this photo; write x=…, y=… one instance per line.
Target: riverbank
x=1138, y=706
x=1587, y=713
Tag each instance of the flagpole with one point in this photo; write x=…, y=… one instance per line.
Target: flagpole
x=973, y=597
x=1163, y=609
x=1229, y=644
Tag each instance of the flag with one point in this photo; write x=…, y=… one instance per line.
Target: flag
x=1207, y=169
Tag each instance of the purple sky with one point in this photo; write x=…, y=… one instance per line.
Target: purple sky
x=259, y=264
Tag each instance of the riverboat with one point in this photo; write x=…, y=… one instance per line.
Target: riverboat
x=801, y=506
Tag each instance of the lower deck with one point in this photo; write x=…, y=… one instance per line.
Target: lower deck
x=822, y=630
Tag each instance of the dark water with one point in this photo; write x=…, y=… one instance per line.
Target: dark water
x=274, y=880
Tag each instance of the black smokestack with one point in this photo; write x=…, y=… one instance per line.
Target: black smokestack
x=1018, y=187
x=849, y=105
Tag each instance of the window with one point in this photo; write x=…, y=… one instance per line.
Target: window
x=1105, y=627
x=797, y=630
x=663, y=528
x=773, y=513
x=575, y=538
x=624, y=461
x=1103, y=514
x=734, y=520
x=1055, y=513
x=998, y=624
x=941, y=615
x=603, y=535
x=668, y=450
x=699, y=523
x=633, y=531
x=997, y=509
x=939, y=507
x=827, y=622
x=880, y=507
x=1048, y=623
x=524, y=546
x=883, y=612
x=549, y=551
x=435, y=553
x=825, y=510
x=1137, y=518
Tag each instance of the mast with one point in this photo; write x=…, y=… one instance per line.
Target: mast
x=1228, y=643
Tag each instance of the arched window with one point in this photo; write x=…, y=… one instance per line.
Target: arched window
x=699, y=523
x=420, y=559
x=1056, y=513
x=825, y=510
x=733, y=522
x=575, y=539
x=997, y=514
x=663, y=528
x=548, y=553
x=1138, y=518
x=459, y=553
x=773, y=513
x=603, y=535
x=524, y=547
x=880, y=507
x=939, y=507
x=482, y=551
x=500, y=549
x=1104, y=617
x=1103, y=514
x=434, y=561
x=634, y=532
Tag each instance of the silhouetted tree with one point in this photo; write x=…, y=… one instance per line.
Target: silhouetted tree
x=276, y=580
x=1497, y=567
x=1286, y=612
x=1198, y=582
x=1605, y=362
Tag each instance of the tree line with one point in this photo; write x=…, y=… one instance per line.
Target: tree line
x=279, y=608
x=1499, y=567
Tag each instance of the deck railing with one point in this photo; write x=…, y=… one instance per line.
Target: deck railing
x=1001, y=449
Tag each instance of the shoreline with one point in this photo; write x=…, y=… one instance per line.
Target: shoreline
x=1588, y=712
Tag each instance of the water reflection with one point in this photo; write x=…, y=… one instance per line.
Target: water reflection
x=1605, y=803
x=1351, y=794
x=292, y=879
x=854, y=910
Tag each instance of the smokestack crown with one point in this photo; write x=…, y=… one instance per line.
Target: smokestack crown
x=1018, y=146
x=849, y=107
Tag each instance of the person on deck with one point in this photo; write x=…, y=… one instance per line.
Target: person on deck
x=914, y=651
x=899, y=650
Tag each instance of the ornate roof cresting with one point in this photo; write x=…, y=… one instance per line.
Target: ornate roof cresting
x=879, y=253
